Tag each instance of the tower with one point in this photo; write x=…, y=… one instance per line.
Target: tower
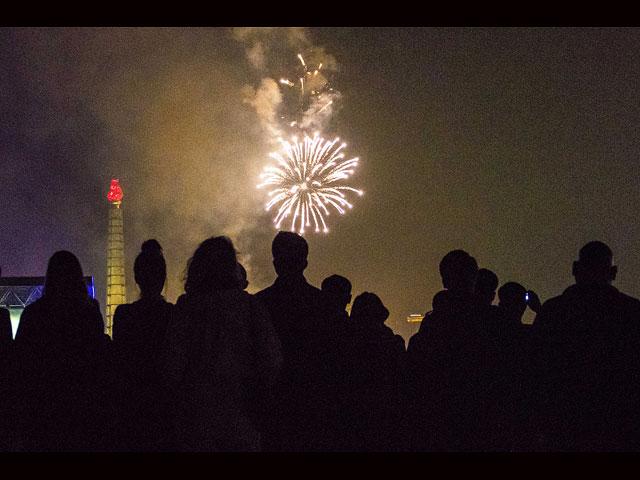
x=116, y=286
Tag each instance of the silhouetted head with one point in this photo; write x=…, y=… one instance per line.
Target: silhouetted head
x=290, y=252
x=212, y=267
x=459, y=270
x=512, y=297
x=242, y=275
x=595, y=264
x=337, y=291
x=439, y=300
x=368, y=308
x=64, y=277
x=486, y=285
x=150, y=268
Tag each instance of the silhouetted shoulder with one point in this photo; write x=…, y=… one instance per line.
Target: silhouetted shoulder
x=631, y=304
x=121, y=317
x=278, y=287
x=28, y=327
x=549, y=309
x=181, y=299
x=97, y=323
x=397, y=344
x=123, y=310
x=257, y=303
x=265, y=292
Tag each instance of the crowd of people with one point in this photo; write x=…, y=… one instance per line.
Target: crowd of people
x=292, y=369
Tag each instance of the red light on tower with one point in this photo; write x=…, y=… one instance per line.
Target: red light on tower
x=115, y=192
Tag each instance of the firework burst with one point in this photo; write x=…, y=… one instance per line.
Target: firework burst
x=308, y=181
x=312, y=93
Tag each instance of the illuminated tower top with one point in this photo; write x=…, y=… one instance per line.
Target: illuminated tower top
x=115, y=192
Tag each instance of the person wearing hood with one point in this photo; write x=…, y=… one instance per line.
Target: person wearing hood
x=588, y=369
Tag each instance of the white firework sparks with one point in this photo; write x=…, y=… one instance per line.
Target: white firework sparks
x=308, y=180
x=314, y=91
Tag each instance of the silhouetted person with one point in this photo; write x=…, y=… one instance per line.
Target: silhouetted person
x=336, y=290
x=223, y=355
x=139, y=333
x=590, y=351
x=462, y=389
x=486, y=285
x=60, y=344
x=303, y=325
x=513, y=300
x=374, y=413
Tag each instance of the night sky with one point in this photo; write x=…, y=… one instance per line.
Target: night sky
x=518, y=145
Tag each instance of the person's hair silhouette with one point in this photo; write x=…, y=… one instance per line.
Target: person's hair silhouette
x=486, y=285
x=337, y=291
x=212, y=267
x=367, y=307
x=594, y=264
x=459, y=271
x=150, y=268
x=64, y=277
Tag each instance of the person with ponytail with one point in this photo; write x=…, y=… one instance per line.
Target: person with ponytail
x=139, y=330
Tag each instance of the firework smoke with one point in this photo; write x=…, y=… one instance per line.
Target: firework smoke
x=309, y=178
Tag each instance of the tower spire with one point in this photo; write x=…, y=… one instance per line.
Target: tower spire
x=116, y=285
